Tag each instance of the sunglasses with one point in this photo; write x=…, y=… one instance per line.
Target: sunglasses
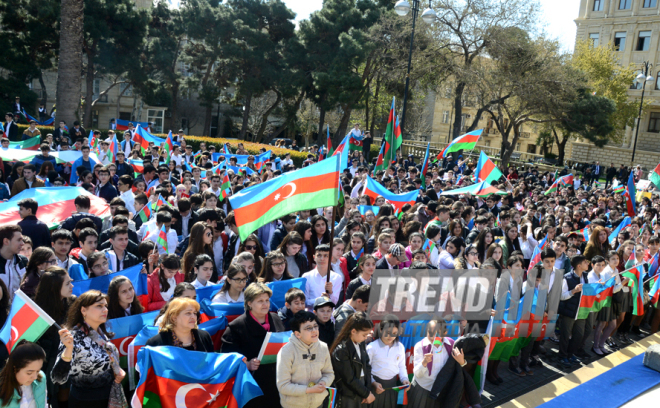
x=251, y=247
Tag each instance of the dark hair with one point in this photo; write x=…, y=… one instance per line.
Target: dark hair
x=293, y=294
x=292, y=238
x=266, y=273
x=326, y=234
x=548, y=253
x=178, y=292
x=301, y=318
x=233, y=270
x=362, y=293
x=170, y=262
x=386, y=325
x=7, y=231
x=75, y=316
x=61, y=234
x=322, y=248
x=114, y=308
x=201, y=260
x=87, y=232
x=145, y=248
x=196, y=246
x=597, y=259
x=576, y=260
x=4, y=303
x=117, y=230
x=23, y=354
x=82, y=201
x=39, y=256
x=48, y=293
x=358, y=321
x=29, y=204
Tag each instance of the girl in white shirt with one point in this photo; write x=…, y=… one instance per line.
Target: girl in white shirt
x=605, y=319
x=203, y=269
x=235, y=282
x=388, y=362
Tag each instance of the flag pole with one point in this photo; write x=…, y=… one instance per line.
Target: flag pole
x=332, y=239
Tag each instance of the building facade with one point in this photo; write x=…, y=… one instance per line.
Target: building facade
x=632, y=28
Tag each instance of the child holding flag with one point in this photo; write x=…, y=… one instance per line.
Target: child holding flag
x=605, y=319
x=304, y=367
x=388, y=362
x=572, y=329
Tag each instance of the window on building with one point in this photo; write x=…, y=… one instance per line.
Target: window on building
x=619, y=41
x=598, y=5
x=643, y=41
x=487, y=143
x=156, y=117
x=125, y=116
x=649, y=3
x=624, y=4
x=95, y=119
x=531, y=148
x=126, y=90
x=517, y=147
x=654, y=122
x=594, y=37
x=445, y=117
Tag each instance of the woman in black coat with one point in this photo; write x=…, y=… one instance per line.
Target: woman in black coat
x=179, y=328
x=246, y=334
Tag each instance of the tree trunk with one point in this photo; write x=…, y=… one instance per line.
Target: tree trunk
x=458, y=110
x=366, y=111
x=322, y=136
x=174, y=109
x=44, y=100
x=208, y=116
x=246, y=115
x=343, y=126
x=69, y=80
x=288, y=120
x=89, y=92
x=372, y=129
x=508, y=150
x=264, y=119
x=561, y=148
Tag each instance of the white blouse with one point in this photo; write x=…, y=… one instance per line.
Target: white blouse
x=440, y=357
x=387, y=362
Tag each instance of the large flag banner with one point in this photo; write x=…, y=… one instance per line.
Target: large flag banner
x=466, y=142
x=280, y=288
x=310, y=187
x=210, y=311
x=26, y=156
x=47, y=122
x=55, y=204
x=101, y=283
x=174, y=378
x=487, y=170
x=374, y=189
x=272, y=344
x=125, y=330
x=32, y=143
x=123, y=124
x=482, y=189
x=25, y=321
x=655, y=176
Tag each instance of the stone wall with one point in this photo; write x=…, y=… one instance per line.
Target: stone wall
x=583, y=152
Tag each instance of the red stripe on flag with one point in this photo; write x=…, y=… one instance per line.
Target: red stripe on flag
x=273, y=348
x=252, y=212
x=55, y=212
x=486, y=170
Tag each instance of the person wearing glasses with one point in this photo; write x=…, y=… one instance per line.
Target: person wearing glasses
x=41, y=259
x=304, y=366
x=98, y=265
x=469, y=259
x=235, y=282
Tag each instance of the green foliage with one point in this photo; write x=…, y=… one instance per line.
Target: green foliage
x=589, y=117
x=9, y=89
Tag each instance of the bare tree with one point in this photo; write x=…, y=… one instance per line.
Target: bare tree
x=190, y=110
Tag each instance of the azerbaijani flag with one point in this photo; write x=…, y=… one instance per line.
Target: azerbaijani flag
x=654, y=293
x=162, y=239
x=30, y=144
x=310, y=187
x=466, y=142
x=374, y=189
x=486, y=169
x=168, y=146
x=536, y=258
x=481, y=189
x=159, y=203
x=26, y=156
x=561, y=181
x=138, y=165
x=140, y=137
x=25, y=321
x=226, y=149
x=364, y=208
x=225, y=187
x=329, y=142
x=595, y=296
x=635, y=274
x=428, y=247
x=626, y=222
x=56, y=204
x=145, y=213
x=619, y=190
x=584, y=232
x=653, y=265
x=211, y=311
x=126, y=329
x=354, y=143
x=113, y=149
x=342, y=152
x=380, y=162
x=479, y=376
x=138, y=341
x=273, y=343
x=655, y=176
x=632, y=259
x=47, y=122
x=123, y=124
x=389, y=151
x=437, y=341
x=101, y=283
x=173, y=377
x=332, y=397
x=425, y=165
x=630, y=195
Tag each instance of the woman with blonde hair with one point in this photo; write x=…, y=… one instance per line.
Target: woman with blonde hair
x=178, y=327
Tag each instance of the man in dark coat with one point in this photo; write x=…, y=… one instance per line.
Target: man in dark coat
x=37, y=230
x=83, y=204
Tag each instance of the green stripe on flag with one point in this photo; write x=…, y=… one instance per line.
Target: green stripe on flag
x=151, y=400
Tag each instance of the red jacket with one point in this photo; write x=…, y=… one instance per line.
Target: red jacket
x=154, y=298
x=344, y=268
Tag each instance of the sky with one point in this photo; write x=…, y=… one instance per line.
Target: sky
x=558, y=16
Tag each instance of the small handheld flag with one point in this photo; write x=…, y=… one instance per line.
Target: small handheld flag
x=332, y=397
x=162, y=239
x=272, y=344
x=26, y=321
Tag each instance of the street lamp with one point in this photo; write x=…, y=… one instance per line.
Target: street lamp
x=641, y=79
x=402, y=8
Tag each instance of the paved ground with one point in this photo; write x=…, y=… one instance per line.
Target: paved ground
x=514, y=386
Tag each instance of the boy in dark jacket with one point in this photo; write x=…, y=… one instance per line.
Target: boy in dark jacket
x=572, y=329
x=323, y=310
x=294, y=301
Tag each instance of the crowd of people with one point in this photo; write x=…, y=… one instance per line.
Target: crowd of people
x=334, y=343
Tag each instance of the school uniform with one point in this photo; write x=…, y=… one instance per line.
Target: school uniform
x=388, y=368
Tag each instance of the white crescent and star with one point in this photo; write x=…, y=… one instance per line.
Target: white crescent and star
x=180, y=398
x=293, y=189
x=14, y=331
x=124, y=351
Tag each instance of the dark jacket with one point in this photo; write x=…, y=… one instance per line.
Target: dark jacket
x=326, y=332
x=352, y=286
x=341, y=315
x=29, y=284
x=12, y=132
x=348, y=366
x=124, y=168
x=70, y=223
x=132, y=247
x=351, y=263
x=382, y=263
x=37, y=231
x=107, y=192
x=277, y=237
x=452, y=384
x=105, y=236
x=245, y=335
x=178, y=224
x=40, y=159
x=203, y=341
x=611, y=172
x=569, y=307
x=285, y=314
x=230, y=252
x=129, y=258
